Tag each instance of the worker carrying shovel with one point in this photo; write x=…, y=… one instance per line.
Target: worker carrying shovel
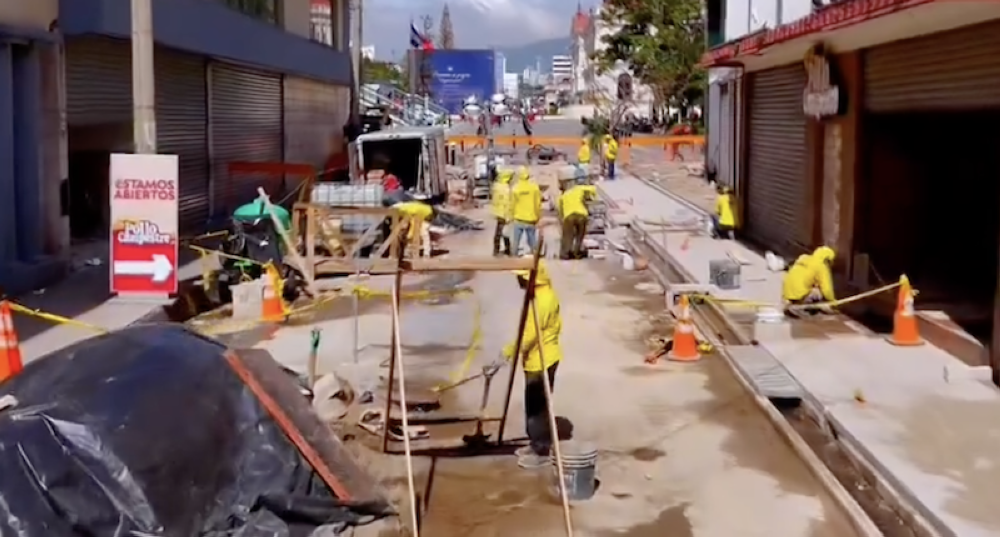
x=546, y=303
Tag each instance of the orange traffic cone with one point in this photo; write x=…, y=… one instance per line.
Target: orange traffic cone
x=904, y=322
x=685, y=348
x=10, y=348
x=272, y=307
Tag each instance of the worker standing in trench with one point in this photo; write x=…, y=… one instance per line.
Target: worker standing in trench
x=546, y=304
x=574, y=215
x=418, y=215
x=810, y=279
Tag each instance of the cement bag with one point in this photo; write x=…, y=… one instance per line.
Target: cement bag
x=774, y=262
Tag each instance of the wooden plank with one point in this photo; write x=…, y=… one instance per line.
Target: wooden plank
x=330, y=265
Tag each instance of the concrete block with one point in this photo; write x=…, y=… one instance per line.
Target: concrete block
x=676, y=290
x=248, y=300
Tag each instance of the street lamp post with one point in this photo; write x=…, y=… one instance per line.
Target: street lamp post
x=356, y=15
x=143, y=78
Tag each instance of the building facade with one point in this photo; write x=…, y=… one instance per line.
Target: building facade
x=261, y=90
x=581, y=46
x=561, y=69
x=605, y=85
x=867, y=125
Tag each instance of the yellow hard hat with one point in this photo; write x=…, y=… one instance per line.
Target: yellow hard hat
x=543, y=274
x=825, y=253
x=523, y=173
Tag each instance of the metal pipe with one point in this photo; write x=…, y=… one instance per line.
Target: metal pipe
x=143, y=78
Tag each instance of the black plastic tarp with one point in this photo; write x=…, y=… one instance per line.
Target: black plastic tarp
x=149, y=431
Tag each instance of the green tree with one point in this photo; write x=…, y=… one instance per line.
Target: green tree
x=379, y=72
x=661, y=41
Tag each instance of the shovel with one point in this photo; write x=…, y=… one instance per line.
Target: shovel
x=479, y=439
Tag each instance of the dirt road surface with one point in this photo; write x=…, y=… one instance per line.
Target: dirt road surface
x=683, y=451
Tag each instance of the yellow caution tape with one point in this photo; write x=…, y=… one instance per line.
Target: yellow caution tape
x=57, y=319
x=795, y=307
x=470, y=354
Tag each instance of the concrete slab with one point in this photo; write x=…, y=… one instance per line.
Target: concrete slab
x=934, y=439
x=683, y=450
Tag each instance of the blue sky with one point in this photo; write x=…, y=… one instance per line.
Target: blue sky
x=477, y=23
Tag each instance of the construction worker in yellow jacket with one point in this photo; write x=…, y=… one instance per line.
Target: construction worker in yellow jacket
x=583, y=154
x=724, y=219
x=500, y=203
x=418, y=215
x=574, y=216
x=810, y=278
x=526, y=211
x=533, y=350
x=610, y=154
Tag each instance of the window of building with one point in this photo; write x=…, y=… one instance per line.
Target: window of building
x=265, y=10
x=321, y=18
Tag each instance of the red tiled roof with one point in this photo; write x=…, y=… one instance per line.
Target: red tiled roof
x=581, y=21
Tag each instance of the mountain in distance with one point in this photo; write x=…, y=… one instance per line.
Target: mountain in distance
x=524, y=56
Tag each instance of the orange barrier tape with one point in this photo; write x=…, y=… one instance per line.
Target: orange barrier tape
x=666, y=142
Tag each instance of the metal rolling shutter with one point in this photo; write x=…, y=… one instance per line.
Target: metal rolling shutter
x=315, y=114
x=98, y=81
x=954, y=70
x=726, y=126
x=776, y=185
x=245, y=108
x=181, y=123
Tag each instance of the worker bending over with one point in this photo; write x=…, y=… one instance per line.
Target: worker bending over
x=610, y=154
x=583, y=155
x=724, y=219
x=574, y=215
x=500, y=202
x=526, y=211
x=810, y=279
x=533, y=350
x=418, y=216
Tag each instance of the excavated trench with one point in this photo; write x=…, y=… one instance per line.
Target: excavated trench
x=853, y=476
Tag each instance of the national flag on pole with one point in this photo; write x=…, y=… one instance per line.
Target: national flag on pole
x=416, y=38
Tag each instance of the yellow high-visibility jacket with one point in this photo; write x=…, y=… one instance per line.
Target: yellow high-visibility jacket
x=526, y=201
x=583, y=155
x=416, y=211
x=611, y=149
x=574, y=201
x=550, y=321
x=724, y=210
x=810, y=272
x=500, y=192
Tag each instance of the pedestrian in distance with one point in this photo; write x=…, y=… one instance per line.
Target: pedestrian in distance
x=574, y=217
x=526, y=211
x=500, y=202
x=533, y=350
x=810, y=280
x=724, y=219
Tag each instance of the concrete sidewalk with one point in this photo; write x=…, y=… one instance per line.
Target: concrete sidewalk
x=83, y=296
x=933, y=440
